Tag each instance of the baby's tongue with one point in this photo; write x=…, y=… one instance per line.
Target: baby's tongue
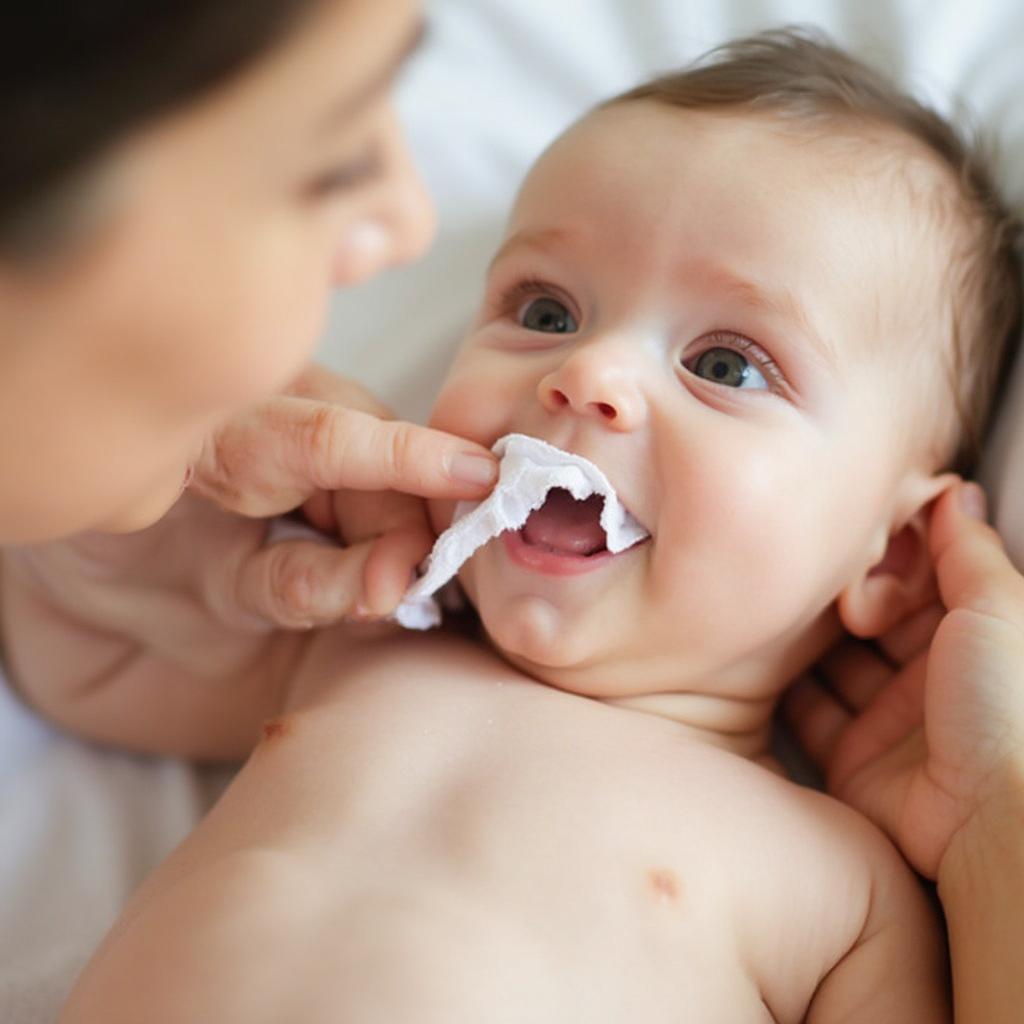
x=565, y=524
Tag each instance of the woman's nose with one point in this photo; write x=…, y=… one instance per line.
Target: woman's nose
x=598, y=381
x=397, y=228
x=412, y=214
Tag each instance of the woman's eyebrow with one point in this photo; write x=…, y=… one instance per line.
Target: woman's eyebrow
x=380, y=82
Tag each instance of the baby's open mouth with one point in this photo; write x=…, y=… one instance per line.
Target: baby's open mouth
x=566, y=526
x=532, y=509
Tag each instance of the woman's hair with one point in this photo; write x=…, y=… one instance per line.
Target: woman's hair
x=77, y=78
x=798, y=75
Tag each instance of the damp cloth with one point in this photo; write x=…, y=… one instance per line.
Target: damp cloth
x=529, y=468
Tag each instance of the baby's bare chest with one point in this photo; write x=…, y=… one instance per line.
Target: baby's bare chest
x=552, y=847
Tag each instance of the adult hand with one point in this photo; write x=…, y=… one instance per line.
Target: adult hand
x=147, y=639
x=331, y=448
x=924, y=731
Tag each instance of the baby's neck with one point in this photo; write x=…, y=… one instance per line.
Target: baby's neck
x=743, y=727
x=731, y=710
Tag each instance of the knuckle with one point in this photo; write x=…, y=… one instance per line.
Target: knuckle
x=292, y=584
x=227, y=464
x=406, y=458
x=322, y=442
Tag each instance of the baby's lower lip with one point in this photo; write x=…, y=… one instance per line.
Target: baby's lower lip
x=543, y=559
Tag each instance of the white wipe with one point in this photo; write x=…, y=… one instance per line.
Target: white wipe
x=529, y=469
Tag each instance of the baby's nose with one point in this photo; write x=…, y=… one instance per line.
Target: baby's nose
x=597, y=383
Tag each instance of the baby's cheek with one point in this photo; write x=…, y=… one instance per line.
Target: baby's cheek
x=476, y=401
x=789, y=548
x=754, y=528
x=458, y=412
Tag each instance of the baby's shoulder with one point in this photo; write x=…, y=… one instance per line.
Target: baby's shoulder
x=806, y=874
x=817, y=839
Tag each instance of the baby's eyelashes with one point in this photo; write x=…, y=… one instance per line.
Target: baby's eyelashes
x=737, y=362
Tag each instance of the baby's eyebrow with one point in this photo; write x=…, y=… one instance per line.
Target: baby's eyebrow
x=778, y=301
x=537, y=238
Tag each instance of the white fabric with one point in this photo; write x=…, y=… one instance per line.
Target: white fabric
x=497, y=80
x=529, y=468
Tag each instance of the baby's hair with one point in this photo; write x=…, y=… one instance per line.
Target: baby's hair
x=797, y=74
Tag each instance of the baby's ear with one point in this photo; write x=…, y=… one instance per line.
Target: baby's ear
x=903, y=579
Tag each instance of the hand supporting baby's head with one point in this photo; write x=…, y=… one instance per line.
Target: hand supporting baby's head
x=771, y=297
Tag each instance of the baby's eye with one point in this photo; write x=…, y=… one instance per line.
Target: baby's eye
x=548, y=315
x=728, y=367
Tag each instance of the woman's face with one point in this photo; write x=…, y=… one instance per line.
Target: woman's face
x=205, y=285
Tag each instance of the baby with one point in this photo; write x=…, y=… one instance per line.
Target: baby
x=763, y=297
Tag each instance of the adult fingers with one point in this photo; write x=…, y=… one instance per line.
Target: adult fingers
x=362, y=515
x=295, y=584
x=390, y=568
x=344, y=448
x=854, y=672
x=273, y=459
x=973, y=569
x=387, y=510
x=817, y=719
x=839, y=738
x=300, y=583
x=913, y=635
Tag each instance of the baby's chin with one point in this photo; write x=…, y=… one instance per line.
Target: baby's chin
x=533, y=634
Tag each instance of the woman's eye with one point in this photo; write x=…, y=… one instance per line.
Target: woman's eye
x=549, y=316
x=728, y=367
x=347, y=176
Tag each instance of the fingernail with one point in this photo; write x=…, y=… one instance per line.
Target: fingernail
x=973, y=501
x=470, y=468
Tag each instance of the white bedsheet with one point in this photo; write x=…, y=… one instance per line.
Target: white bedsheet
x=497, y=80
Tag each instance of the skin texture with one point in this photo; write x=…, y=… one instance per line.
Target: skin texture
x=574, y=824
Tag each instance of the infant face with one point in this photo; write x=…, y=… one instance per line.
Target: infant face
x=715, y=313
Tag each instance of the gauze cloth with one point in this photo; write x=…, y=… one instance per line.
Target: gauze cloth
x=529, y=468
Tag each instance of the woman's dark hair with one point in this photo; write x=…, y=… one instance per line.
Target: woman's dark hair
x=76, y=78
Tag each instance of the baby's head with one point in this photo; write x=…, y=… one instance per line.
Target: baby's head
x=772, y=298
